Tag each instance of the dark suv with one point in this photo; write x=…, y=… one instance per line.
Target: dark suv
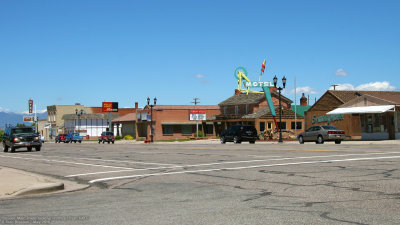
x=107, y=136
x=19, y=137
x=239, y=133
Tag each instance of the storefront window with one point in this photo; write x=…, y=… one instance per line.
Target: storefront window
x=168, y=130
x=373, y=123
x=187, y=129
x=397, y=117
x=269, y=126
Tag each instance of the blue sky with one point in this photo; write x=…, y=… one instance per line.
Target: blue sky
x=64, y=52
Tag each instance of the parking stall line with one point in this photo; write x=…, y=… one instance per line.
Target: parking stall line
x=229, y=162
x=66, y=162
x=240, y=168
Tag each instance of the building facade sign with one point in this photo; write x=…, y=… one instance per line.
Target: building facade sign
x=327, y=118
x=110, y=106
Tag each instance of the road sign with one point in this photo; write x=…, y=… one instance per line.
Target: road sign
x=110, y=106
x=197, y=115
x=30, y=105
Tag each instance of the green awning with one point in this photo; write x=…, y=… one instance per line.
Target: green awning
x=178, y=123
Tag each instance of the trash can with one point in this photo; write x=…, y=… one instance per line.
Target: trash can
x=87, y=137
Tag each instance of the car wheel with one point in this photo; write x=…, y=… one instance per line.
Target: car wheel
x=222, y=139
x=236, y=140
x=338, y=141
x=99, y=141
x=252, y=142
x=108, y=142
x=74, y=141
x=12, y=149
x=112, y=142
x=301, y=140
x=320, y=140
x=37, y=148
x=29, y=149
x=103, y=141
x=5, y=147
x=80, y=141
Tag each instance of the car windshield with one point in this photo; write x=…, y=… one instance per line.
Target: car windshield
x=22, y=130
x=248, y=128
x=329, y=128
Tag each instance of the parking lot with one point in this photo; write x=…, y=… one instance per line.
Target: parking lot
x=265, y=183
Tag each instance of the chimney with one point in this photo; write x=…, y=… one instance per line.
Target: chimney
x=303, y=100
x=136, y=105
x=272, y=89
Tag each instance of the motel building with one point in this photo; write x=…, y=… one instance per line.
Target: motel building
x=253, y=109
x=363, y=115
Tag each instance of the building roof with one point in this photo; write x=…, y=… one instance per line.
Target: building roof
x=250, y=98
x=259, y=113
x=179, y=107
x=345, y=96
x=127, y=118
x=89, y=116
x=300, y=109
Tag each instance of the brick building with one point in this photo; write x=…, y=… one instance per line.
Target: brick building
x=173, y=121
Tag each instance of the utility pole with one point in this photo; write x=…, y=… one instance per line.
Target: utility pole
x=334, y=86
x=195, y=102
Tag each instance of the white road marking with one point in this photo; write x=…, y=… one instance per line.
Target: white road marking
x=230, y=162
x=103, y=160
x=264, y=156
x=239, y=168
x=76, y=163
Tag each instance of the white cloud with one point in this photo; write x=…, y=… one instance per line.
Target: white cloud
x=199, y=76
x=341, y=72
x=305, y=90
x=4, y=110
x=372, y=86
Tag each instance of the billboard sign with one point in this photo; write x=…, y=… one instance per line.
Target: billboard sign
x=30, y=105
x=197, y=115
x=110, y=106
x=28, y=118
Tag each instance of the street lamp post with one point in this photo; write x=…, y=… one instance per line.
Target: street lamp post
x=151, y=117
x=280, y=105
x=79, y=113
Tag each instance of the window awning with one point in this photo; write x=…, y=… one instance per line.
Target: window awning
x=362, y=109
x=179, y=123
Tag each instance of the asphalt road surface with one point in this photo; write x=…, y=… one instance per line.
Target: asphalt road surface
x=211, y=184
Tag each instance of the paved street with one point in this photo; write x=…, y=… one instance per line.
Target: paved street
x=212, y=184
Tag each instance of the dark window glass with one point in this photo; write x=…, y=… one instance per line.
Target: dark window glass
x=282, y=125
x=329, y=128
x=262, y=126
x=168, y=129
x=298, y=125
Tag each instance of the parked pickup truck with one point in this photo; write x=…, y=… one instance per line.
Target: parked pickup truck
x=73, y=137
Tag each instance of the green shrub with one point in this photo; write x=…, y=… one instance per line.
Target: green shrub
x=201, y=134
x=1, y=135
x=128, y=137
x=117, y=138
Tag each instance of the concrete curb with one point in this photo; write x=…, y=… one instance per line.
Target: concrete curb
x=40, y=189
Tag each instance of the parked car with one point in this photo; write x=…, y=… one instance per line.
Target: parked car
x=19, y=137
x=107, y=136
x=320, y=134
x=239, y=133
x=73, y=137
x=61, y=138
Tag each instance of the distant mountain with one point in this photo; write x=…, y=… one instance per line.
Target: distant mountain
x=14, y=118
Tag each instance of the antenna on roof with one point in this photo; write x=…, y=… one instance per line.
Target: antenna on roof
x=334, y=86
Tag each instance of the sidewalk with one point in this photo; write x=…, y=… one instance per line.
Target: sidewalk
x=19, y=183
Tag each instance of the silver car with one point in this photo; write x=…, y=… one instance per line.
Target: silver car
x=319, y=134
